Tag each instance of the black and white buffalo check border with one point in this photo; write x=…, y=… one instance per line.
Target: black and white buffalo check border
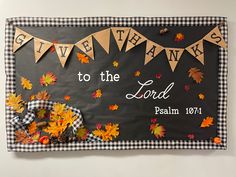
x=11, y=23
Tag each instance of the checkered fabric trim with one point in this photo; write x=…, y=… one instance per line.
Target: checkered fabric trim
x=11, y=23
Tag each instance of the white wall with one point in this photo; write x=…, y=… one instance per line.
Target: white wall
x=142, y=163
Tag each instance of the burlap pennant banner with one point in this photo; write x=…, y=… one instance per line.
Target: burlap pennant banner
x=63, y=52
x=215, y=37
x=86, y=45
x=103, y=38
x=197, y=50
x=40, y=47
x=152, y=50
x=121, y=35
x=21, y=38
x=173, y=56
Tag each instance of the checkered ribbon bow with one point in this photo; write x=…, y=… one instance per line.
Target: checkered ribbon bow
x=32, y=106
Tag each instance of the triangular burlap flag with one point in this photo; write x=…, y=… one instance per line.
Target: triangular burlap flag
x=197, y=50
x=152, y=50
x=63, y=52
x=120, y=34
x=40, y=47
x=103, y=38
x=173, y=56
x=215, y=37
x=21, y=38
x=134, y=39
x=86, y=45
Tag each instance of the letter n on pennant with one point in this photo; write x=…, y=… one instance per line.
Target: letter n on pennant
x=173, y=56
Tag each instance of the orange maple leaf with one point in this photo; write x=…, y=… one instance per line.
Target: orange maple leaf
x=207, y=122
x=67, y=97
x=43, y=95
x=196, y=75
x=48, y=79
x=113, y=107
x=82, y=58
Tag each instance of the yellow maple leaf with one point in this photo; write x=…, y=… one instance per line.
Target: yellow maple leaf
x=15, y=102
x=26, y=84
x=157, y=130
x=57, y=111
x=115, y=64
x=111, y=131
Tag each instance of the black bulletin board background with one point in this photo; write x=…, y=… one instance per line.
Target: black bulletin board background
x=133, y=115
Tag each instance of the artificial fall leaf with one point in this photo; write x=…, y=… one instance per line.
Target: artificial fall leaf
x=32, y=128
x=82, y=133
x=57, y=111
x=137, y=73
x=32, y=97
x=44, y=140
x=113, y=107
x=153, y=120
x=163, y=31
x=48, y=79
x=82, y=58
x=157, y=130
x=15, y=103
x=42, y=95
x=201, y=96
x=191, y=136
x=186, y=87
x=41, y=113
x=97, y=93
x=217, y=140
x=115, y=64
x=179, y=37
x=35, y=137
x=196, y=75
x=111, y=131
x=22, y=137
x=60, y=120
x=207, y=122
x=67, y=97
x=52, y=49
x=158, y=76
x=26, y=84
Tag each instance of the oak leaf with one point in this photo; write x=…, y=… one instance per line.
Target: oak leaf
x=26, y=84
x=196, y=75
x=207, y=122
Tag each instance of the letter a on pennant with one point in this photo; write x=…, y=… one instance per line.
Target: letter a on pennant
x=40, y=47
x=103, y=38
x=86, y=45
x=173, y=56
x=120, y=34
x=63, y=52
x=134, y=39
x=152, y=50
x=215, y=37
x=21, y=38
x=197, y=50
